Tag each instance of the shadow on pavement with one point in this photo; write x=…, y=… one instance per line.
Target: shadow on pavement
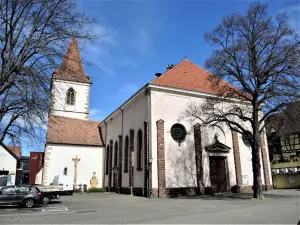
x=54, y=202
x=18, y=207
x=235, y=196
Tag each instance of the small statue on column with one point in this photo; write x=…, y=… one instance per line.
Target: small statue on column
x=76, y=161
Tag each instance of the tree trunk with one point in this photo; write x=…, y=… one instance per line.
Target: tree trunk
x=257, y=183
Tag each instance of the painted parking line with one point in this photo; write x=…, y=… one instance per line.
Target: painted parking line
x=58, y=206
x=35, y=214
x=39, y=211
x=57, y=209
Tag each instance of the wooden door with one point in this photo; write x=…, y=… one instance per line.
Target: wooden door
x=218, y=175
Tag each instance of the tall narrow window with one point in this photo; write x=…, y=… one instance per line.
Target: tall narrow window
x=65, y=171
x=139, y=149
x=71, y=97
x=116, y=154
x=107, y=159
x=126, y=155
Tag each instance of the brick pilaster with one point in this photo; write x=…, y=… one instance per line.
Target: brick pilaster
x=265, y=159
x=198, y=157
x=146, y=160
x=237, y=159
x=161, y=158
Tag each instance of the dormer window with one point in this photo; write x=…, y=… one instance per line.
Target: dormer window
x=71, y=97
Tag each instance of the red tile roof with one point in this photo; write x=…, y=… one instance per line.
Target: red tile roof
x=15, y=149
x=189, y=76
x=71, y=68
x=62, y=130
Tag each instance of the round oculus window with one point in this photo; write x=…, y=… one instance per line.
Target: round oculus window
x=178, y=132
x=246, y=137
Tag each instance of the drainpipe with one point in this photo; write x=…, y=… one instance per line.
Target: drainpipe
x=149, y=143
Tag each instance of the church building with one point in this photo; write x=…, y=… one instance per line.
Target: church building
x=153, y=150
x=146, y=147
x=73, y=143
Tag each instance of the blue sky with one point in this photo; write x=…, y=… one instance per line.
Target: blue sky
x=141, y=37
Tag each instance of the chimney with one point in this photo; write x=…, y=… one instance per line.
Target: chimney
x=169, y=66
x=158, y=74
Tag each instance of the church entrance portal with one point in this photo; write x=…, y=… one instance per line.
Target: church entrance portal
x=218, y=173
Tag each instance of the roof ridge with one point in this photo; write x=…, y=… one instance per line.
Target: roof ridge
x=64, y=117
x=10, y=151
x=188, y=75
x=169, y=70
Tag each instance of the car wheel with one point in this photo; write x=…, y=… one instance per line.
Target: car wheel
x=29, y=203
x=46, y=200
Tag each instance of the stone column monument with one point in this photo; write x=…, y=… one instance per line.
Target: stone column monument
x=76, y=161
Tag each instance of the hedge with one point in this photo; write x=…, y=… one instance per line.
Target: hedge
x=90, y=190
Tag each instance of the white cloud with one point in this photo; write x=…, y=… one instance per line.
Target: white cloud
x=96, y=114
x=142, y=41
x=94, y=111
x=143, y=38
x=98, y=52
x=127, y=91
x=293, y=11
x=127, y=62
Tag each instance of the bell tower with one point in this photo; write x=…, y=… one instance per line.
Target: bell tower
x=70, y=86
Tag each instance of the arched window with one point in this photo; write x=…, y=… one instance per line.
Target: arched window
x=65, y=171
x=107, y=159
x=126, y=155
x=71, y=96
x=139, y=150
x=116, y=154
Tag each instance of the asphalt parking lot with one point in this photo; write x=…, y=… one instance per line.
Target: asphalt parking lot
x=280, y=207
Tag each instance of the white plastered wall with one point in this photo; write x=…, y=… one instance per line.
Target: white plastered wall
x=170, y=107
x=134, y=115
x=58, y=157
x=7, y=161
x=180, y=160
x=59, y=92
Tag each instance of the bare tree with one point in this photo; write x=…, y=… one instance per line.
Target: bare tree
x=34, y=35
x=260, y=56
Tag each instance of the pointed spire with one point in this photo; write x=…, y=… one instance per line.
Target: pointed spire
x=71, y=68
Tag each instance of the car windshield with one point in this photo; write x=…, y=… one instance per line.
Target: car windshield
x=3, y=181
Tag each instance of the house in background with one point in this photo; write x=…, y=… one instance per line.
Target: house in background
x=35, y=167
x=283, y=132
x=10, y=162
x=9, y=159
